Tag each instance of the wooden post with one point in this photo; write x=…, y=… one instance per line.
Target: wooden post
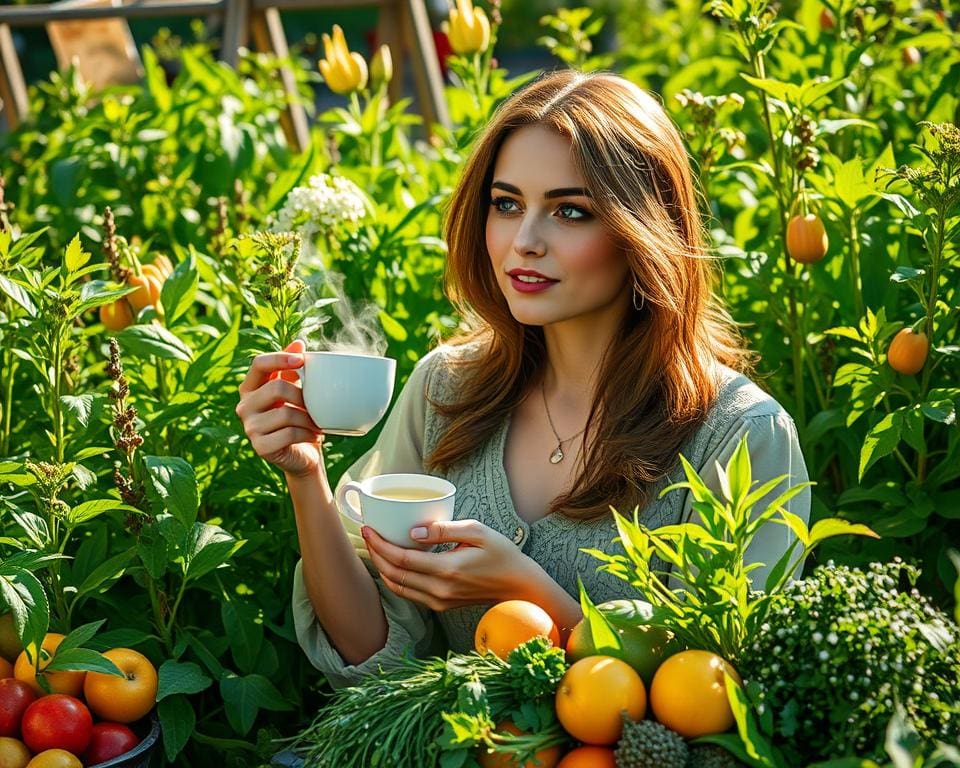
x=236, y=29
x=267, y=30
x=418, y=41
x=13, y=91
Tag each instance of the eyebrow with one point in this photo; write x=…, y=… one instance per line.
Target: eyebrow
x=561, y=192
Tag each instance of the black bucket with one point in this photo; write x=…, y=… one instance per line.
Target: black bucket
x=148, y=729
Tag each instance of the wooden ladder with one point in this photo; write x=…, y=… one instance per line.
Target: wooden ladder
x=402, y=24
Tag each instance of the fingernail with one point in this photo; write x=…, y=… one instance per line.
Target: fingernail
x=294, y=359
x=418, y=533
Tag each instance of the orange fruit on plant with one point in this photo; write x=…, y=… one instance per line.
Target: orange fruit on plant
x=149, y=285
x=806, y=239
x=689, y=694
x=592, y=694
x=10, y=645
x=70, y=682
x=511, y=623
x=117, y=315
x=13, y=753
x=544, y=758
x=123, y=699
x=907, y=353
x=55, y=758
x=589, y=757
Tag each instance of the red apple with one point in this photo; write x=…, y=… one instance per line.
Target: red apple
x=57, y=721
x=15, y=697
x=109, y=740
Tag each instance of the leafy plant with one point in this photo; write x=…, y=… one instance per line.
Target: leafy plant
x=715, y=607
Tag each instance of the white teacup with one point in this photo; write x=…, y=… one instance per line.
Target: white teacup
x=393, y=504
x=346, y=394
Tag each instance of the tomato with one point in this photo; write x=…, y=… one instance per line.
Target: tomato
x=10, y=645
x=907, y=353
x=13, y=753
x=116, y=316
x=57, y=721
x=55, y=758
x=107, y=741
x=15, y=697
x=70, y=683
x=806, y=239
x=123, y=699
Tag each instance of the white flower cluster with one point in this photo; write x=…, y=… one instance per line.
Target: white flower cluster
x=325, y=203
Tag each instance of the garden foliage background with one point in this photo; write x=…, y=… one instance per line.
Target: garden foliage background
x=183, y=541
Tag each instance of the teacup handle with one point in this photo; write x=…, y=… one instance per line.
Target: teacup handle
x=345, y=506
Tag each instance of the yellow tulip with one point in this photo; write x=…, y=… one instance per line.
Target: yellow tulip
x=381, y=68
x=342, y=70
x=468, y=28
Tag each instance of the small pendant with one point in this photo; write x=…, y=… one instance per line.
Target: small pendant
x=557, y=456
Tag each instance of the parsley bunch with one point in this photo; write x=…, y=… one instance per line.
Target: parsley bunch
x=840, y=650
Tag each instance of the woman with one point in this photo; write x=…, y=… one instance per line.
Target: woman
x=598, y=355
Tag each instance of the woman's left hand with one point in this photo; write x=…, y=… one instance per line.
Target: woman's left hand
x=485, y=567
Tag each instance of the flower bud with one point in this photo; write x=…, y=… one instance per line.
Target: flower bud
x=343, y=71
x=468, y=28
x=381, y=67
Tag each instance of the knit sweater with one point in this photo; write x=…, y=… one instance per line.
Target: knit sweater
x=554, y=541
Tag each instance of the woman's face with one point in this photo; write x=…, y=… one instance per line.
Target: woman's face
x=552, y=258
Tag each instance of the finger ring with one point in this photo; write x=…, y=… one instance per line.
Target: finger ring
x=403, y=580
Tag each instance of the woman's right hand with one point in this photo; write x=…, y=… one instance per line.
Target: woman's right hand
x=273, y=415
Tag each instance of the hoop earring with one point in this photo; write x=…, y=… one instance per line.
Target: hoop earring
x=643, y=299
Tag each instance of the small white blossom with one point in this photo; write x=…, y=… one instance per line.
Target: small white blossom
x=324, y=203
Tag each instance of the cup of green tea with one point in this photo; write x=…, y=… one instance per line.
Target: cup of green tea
x=393, y=504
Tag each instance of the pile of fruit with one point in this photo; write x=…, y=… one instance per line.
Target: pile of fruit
x=70, y=719
x=632, y=707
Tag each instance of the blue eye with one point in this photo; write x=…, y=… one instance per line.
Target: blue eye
x=577, y=213
x=498, y=202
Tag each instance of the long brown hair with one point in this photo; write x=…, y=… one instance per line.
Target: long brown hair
x=657, y=389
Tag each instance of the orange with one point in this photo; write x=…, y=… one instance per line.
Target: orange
x=806, y=239
x=589, y=757
x=6, y=668
x=593, y=693
x=511, y=623
x=907, y=353
x=13, y=753
x=55, y=758
x=117, y=315
x=70, y=683
x=10, y=645
x=149, y=286
x=122, y=699
x=689, y=694
x=544, y=758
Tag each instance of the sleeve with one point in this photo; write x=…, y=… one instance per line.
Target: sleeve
x=410, y=626
x=774, y=450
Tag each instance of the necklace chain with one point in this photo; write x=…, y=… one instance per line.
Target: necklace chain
x=556, y=455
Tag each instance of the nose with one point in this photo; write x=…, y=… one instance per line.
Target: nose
x=528, y=240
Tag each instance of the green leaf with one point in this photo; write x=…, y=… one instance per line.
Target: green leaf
x=75, y=257
x=392, y=328
x=786, y=92
x=152, y=550
x=181, y=677
x=80, y=407
x=955, y=559
x=152, y=340
x=796, y=524
x=83, y=660
x=180, y=289
x=287, y=180
x=602, y=633
x=245, y=632
x=245, y=696
x=18, y=294
x=207, y=547
x=834, y=526
x=109, y=570
x=26, y=599
x=173, y=487
x=850, y=185
x=177, y=721
x=88, y=510
x=906, y=274
x=79, y=637
x=881, y=441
